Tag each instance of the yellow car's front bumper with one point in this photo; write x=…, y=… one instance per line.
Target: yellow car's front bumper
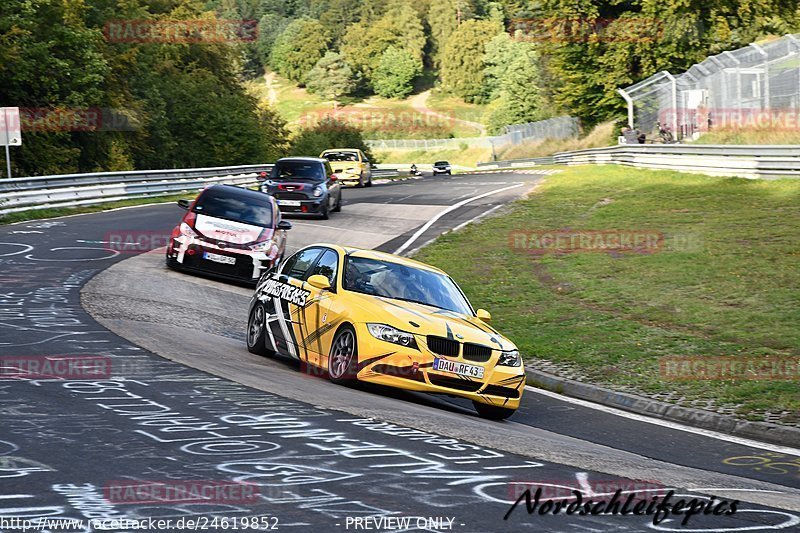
x=351, y=176
x=412, y=369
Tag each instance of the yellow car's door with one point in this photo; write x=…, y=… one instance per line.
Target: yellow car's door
x=286, y=297
x=318, y=321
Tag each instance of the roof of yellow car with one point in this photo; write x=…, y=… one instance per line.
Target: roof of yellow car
x=383, y=256
x=340, y=150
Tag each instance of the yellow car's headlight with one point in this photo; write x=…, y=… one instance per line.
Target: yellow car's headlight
x=393, y=335
x=510, y=358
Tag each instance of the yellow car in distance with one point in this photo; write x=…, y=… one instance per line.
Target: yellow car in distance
x=351, y=165
x=362, y=315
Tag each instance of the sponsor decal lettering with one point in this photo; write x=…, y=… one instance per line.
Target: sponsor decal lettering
x=285, y=291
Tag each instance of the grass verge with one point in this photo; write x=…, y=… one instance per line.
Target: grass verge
x=601, y=135
x=378, y=118
x=725, y=283
x=749, y=136
x=453, y=106
x=465, y=157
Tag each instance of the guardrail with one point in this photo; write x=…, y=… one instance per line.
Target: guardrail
x=70, y=190
x=510, y=163
x=747, y=161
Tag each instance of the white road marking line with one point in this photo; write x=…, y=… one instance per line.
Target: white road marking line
x=475, y=218
x=668, y=424
x=296, y=223
x=453, y=207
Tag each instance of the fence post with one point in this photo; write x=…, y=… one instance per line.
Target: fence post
x=629, y=101
x=674, y=84
x=796, y=43
x=765, y=55
x=738, y=78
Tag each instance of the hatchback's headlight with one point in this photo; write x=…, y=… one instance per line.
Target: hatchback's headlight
x=393, y=335
x=510, y=358
x=261, y=246
x=187, y=231
x=318, y=191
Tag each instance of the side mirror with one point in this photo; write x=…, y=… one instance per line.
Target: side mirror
x=184, y=204
x=483, y=314
x=262, y=176
x=334, y=177
x=284, y=224
x=319, y=281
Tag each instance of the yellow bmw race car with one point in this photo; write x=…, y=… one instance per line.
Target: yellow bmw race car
x=361, y=315
x=351, y=165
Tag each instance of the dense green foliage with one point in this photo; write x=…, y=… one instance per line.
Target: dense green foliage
x=631, y=41
x=364, y=43
x=298, y=49
x=576, y=53
x=512, y=82
x=463, y=60
x=331, y=77
x=183, y=102
x=396, y=70
x=329, y=132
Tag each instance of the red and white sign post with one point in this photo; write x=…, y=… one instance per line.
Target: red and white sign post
x=10, y=132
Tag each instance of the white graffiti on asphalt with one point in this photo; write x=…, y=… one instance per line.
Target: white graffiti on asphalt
x=26, y=248
x=114, y=253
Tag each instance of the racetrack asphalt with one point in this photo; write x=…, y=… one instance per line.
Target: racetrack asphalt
x=320, y=455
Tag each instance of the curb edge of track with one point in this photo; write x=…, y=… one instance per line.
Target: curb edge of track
x=759, y=431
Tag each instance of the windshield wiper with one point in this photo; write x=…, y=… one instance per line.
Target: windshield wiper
x=417, y=302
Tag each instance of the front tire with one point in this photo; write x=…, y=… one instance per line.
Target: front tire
x=323, y=215
x=256, y=329
x=338, y=206
x=343, y=357
x=492, y=412
x=369, y=181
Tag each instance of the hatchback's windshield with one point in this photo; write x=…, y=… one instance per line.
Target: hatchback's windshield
x=441, y=164
x=341, y=156
x=239, y=208
x=400, y=282
x=299, y=170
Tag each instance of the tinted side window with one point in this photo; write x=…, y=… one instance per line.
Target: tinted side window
x=298, y=170
x=328, y=266
x=297, y=266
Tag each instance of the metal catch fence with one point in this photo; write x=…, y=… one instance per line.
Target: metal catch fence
x=754, y=87
x=552, y=128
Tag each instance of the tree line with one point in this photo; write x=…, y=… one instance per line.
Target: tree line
x=177, y=99
x=529, y=59
x=183, y=102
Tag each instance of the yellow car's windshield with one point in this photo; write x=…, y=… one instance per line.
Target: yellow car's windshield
x=401, y=282
x=341, y=156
